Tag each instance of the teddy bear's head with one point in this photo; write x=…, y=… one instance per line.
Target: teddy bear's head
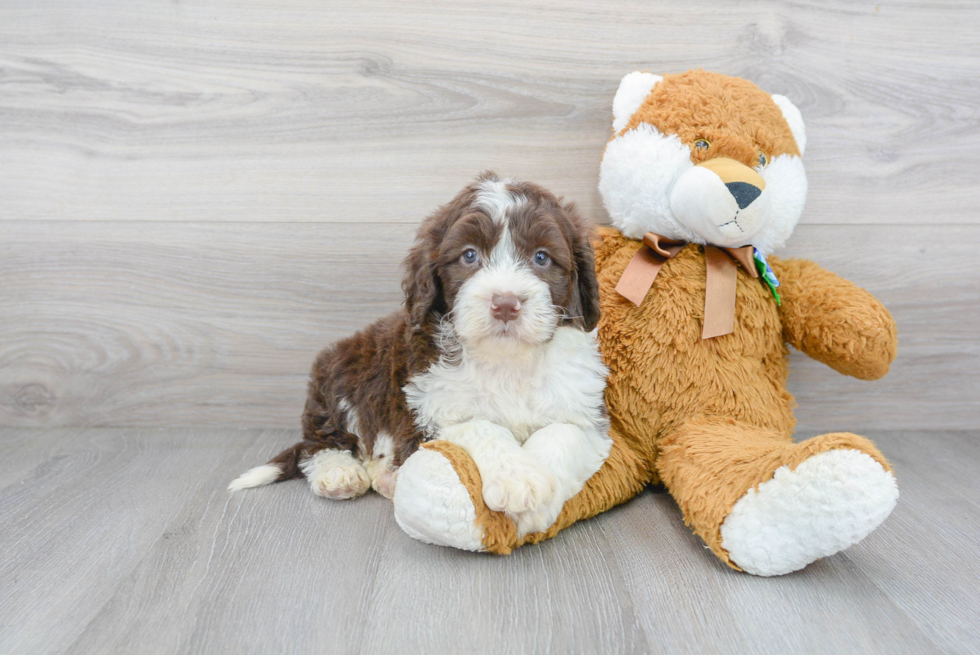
x=705, y=158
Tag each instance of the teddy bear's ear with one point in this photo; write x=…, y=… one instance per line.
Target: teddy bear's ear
x=794, y=118
x=633, y=90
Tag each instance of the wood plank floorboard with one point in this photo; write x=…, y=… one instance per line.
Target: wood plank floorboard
x=125, y=541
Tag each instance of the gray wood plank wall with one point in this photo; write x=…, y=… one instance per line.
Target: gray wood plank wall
x=197, y=196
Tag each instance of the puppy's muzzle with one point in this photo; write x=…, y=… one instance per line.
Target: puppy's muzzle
x=505, y=306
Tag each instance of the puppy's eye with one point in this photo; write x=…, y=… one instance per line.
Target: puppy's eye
x=541, y=258
x=701, y=145
x=469, y=256
x=763, y=160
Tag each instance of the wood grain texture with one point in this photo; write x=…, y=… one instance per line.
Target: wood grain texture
x=112, y=323
x=376, y=111
x=197, y=196
x=124, y=540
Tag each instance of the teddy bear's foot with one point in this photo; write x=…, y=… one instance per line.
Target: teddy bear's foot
x=433, y=505
x=828, y=502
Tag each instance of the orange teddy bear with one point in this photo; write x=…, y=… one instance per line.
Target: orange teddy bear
x=703, y=179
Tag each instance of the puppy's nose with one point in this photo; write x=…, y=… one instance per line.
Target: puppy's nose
x=505, y=306
x=744, y=193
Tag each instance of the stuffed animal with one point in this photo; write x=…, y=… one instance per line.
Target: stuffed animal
x=703, y=179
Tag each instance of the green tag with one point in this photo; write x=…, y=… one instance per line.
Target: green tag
x=766, y=274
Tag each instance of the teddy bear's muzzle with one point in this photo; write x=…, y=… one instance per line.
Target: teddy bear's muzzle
x=722, y=201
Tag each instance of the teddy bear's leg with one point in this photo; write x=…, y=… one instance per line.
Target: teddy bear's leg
x=438, y=498
x=767, y=505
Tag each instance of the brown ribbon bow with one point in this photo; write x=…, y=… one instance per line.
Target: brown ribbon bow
x=721, y=277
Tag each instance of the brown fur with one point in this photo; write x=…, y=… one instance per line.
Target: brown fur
x=370, y=369
x=732, y=114
x=712, y=418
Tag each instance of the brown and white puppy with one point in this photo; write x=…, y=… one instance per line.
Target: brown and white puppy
x=494, y=350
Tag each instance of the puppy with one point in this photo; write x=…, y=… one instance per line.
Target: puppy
x=494, y=350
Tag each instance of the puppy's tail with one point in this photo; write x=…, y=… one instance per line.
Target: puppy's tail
x=283, y=466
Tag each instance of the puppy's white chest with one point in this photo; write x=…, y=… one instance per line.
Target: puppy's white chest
x=561, y=383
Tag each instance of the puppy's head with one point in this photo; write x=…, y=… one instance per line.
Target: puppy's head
x=503, y=261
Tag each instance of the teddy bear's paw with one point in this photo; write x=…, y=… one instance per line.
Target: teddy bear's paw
x=433, y=505
x=830, y=501
x=517, y=486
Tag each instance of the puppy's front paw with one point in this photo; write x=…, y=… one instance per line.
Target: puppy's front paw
x=541, y=518
x=536, y=521
x=517, y=486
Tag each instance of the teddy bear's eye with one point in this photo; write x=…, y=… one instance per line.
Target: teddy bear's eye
x=702, y=145
x=763, y=160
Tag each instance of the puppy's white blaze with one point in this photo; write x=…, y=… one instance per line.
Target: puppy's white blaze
x=504, y=273
x=255, y=477
x=496, y=200
x=504, y=253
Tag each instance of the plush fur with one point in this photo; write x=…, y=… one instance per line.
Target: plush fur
x=712, y=419
x=650, y=178
x=495, y=351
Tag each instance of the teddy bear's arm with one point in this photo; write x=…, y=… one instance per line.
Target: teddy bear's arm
x=834, y=321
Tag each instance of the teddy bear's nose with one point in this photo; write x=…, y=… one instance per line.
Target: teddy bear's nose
x=744, y=193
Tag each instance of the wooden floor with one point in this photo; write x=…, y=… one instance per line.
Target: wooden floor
x=125, y=541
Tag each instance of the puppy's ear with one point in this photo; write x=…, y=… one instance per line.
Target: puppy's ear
x=585, y=295
x=421, y=285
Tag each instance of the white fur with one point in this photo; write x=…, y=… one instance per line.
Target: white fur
x=497, y=200
x=490, y=400
x=336, y=474
x=380, y=467
x=503, y=273
x=497, y=384
x=649, y=184
x=255, y=477
x=433, y=505
x=351, y=420
x=829, y=502
x=514, y=482
x=636, y=175
x=574, y=455
x=384, y=446
x=794, y=118
x=633, y=90
x=786, y=186
x=701, y=201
